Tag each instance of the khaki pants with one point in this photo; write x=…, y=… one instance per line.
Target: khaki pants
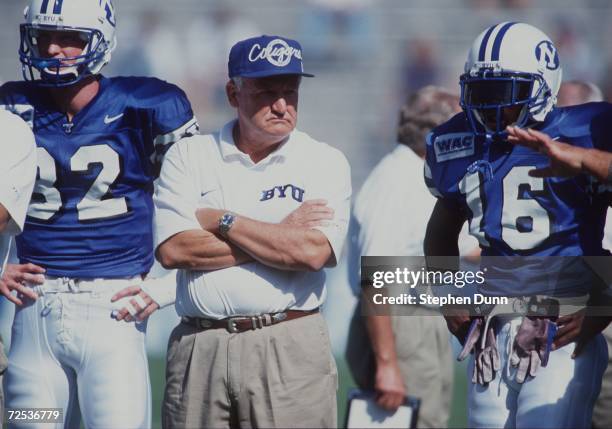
x=278, y=376
x=424, y=353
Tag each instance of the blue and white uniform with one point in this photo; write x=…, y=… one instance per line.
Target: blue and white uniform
x=91, y=210
x=533, y=227
x=512, y=214
x=89, y=225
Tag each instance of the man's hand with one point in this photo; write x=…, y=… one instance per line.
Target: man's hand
x=580, y=328
x=459, y=324
x=568, y=329
x=591, y=326
x=15, y=277
x=138, y=305
x=389, y=386
x=310, y=213
x=565, y=160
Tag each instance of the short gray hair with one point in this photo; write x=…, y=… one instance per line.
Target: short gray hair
x=423, y=110
x=238, y=82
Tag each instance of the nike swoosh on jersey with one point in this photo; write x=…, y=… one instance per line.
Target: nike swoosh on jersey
x=109, y=119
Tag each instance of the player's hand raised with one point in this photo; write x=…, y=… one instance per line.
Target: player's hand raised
x=310, y=213
x=138, y=305
x=20, y=277
x=565, y=160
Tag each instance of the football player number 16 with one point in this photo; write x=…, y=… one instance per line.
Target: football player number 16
x=515, y=209
x=92, y=206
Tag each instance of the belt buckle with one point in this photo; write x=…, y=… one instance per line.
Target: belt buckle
x=520, y=306
x=231, y=325
x=543, y=306
x=205, y=323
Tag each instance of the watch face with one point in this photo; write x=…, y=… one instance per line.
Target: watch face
x=226, y=222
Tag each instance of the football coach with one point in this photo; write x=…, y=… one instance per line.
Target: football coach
x=250, y=215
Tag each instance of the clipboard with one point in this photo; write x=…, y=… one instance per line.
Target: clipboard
x=363, y=412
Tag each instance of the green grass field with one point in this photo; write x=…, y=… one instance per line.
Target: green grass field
x=458, y=411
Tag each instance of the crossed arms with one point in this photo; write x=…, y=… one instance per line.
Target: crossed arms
x=292, y=244
x=187, y=225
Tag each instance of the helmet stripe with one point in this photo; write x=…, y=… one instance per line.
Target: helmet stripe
x=57, y=9
x=498, y=40
x=57, y=6
x=483, y=44
x=43, y=6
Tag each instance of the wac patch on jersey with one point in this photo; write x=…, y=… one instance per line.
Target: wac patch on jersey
x=453, y=146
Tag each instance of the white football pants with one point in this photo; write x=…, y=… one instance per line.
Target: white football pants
x=561, y=395
x=67, y=352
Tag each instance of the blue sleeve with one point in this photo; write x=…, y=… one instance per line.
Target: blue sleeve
x=13, y=97
x=169, y=113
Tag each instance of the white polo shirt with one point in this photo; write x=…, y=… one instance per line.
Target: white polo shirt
x=210, y=171
x=18, y=173
x=392, y=210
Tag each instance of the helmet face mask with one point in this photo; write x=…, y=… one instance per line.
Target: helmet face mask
x=512, y=76
x=495, y=101
x=57, y=71
x=93, y=23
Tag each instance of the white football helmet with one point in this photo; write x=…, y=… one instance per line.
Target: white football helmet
x=512, y=76
x=93, y=20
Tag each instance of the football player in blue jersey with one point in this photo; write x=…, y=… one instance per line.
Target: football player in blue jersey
x=89, y=225
x=532, y=231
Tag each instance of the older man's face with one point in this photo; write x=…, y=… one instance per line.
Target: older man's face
x=268, y=106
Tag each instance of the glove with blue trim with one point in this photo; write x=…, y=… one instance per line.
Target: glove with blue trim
x=532, y=346
x=481, y=340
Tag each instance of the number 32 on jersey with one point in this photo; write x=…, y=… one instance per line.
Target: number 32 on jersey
x=94, y=205
x=514, y=209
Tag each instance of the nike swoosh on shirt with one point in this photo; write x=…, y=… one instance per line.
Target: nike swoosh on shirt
x=109, y=119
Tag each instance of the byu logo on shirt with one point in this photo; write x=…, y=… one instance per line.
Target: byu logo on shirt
x=296, y=193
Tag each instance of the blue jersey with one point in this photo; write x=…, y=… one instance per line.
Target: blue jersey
x=91, y=210
x=513, y=214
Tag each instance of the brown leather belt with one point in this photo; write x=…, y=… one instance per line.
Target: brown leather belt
x=246, y=323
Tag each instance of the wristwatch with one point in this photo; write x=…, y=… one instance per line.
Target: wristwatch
x=226, y=222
